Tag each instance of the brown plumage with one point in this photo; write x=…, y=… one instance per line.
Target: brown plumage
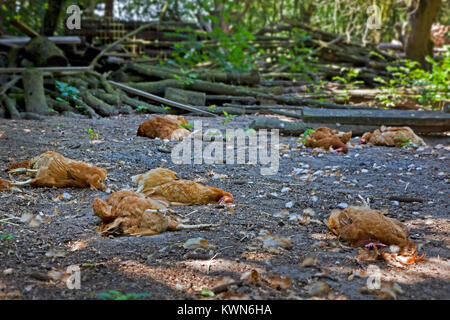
x=163, y=183
x=167, y=127
x=153, y=178
x=126, y=212
x=327, y=138
x=392, y=136
x=16, y=165
x=51, y=169
x=361, y=225
x=5, y=185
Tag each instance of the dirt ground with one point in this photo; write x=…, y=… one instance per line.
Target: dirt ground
x=64, y=229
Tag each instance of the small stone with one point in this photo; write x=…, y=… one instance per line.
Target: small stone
x=342, y=205
x=395, y=203
x=290, y=204
x=66, y=196
x=8, y=271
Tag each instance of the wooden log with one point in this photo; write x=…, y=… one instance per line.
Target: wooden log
x=58, y=105
x=9, y=85
x=297, y=128
x=110, y=98
x=100, y=107
x=61, y=70
x=21, y=41
x=24, y=28
x=33, y=84
x=45, y=53
x=150, y=108
x=246, y=78
x=185, y=96
x=420, y=121
x=10, y=105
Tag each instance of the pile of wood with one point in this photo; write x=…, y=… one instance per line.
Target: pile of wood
x=42, y=77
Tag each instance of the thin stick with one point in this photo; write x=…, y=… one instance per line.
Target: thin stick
x=159, y=99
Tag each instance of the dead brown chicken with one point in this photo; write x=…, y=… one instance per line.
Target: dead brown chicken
x=167, y=127
x=51, y=169
x=163, y=183
x=153, y=178
x=392, y=136
x=327, y=138
x=129, y=213
x=361, y=226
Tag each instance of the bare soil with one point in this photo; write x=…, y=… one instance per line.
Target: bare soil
x=161, y=266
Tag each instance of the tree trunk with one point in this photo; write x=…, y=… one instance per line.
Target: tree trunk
x=419, y=43
x=109, y=8
x=51, y=17
x=33, y=84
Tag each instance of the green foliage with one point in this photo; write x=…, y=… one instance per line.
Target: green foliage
x=211, y=107
x=141, y=108
x=165, y=107
x=207, y=293
x=228, y=117
x=187, y=126
x=188, y=76
x=230, y=52
x=117, y=295
x=92, y=134
x=7, y=237
x=66, y=90
x=433, y=85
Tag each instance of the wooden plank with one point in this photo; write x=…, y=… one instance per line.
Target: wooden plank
x=159, y=99
x=378, y=117
x=21, y=41
x=47, y=69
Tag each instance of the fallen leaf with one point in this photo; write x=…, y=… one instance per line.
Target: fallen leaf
x=319, y=288
x=309, y=262
x=194, y=243
x=1, y=134
x=53, y=253
x=275, y=241
x=279, y=282
x=251, y=276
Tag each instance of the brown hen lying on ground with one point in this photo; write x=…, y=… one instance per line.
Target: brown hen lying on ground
x=392, y=136
x=167, y=127
x=51, y=169
x=126, y=212
x=163, y=183
x=361, y=226
x=326, y=138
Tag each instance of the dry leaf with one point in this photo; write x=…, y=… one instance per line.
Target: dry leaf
x=251, y=276
x=194, y=243
x=1, y=134
x=53, y=253
x=279, y=282
x=275, y=241
x=319, y=288
x=309, y=262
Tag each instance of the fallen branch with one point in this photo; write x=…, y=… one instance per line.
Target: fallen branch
x=159, y=99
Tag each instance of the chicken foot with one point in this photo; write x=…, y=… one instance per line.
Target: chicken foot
x=23, y=170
